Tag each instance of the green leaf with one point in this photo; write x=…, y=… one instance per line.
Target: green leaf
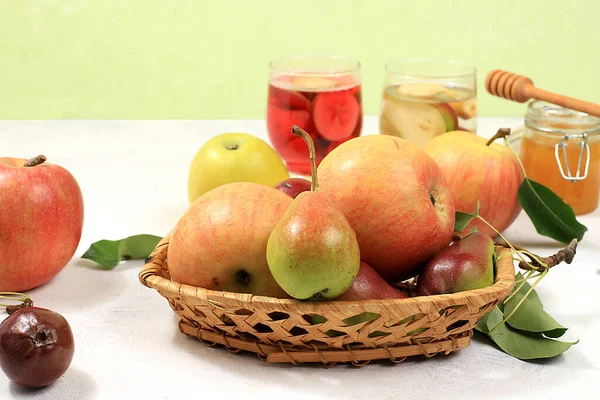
x=362, y=317
x=482, y=324
x=523, y=345
x=109, y=253
x=531, y=317
x=317, y=319
x=549, y=214
x=533, y=296
x=520, y=344
x=461, y=219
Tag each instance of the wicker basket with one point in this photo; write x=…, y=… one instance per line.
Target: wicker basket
x=280, y=330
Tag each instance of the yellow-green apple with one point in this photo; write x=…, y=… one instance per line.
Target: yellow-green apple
x=465, y=265
x=234, y=157
x=369, y=285
x=220, y=242
x=396, y=200
x=476, y=172
x=41, y=219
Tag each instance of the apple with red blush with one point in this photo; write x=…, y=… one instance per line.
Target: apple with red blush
x=41, y=220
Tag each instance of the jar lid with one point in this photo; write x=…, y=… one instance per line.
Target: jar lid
x=548, y=117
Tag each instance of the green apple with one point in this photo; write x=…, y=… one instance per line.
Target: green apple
x=234, y=157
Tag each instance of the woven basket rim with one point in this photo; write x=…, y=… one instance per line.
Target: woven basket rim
x=149, y=277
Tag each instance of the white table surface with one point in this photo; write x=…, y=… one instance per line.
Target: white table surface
x=133, y=175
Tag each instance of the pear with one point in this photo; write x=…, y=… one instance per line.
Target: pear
x=467, y=264
x=312, y=251
x=369, y=285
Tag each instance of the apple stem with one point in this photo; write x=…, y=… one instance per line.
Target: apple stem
x=502, y=133
x=24, y=300
x=296, y=130
x=35, y=161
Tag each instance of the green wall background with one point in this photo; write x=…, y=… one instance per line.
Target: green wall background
x=186, y=59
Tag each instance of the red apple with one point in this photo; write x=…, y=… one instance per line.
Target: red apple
x=490, y=175
x=41, y=219
x=220, y=242
x=396, y=200
x=293, y=186
x=368, y=284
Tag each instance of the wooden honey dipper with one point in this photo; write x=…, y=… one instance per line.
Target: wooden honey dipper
x=520, y=88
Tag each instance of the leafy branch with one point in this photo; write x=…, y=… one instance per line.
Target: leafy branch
x=519, y=325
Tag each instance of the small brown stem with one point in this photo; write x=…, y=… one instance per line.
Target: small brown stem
x=35, y=161
x=502, y=133
x=25, y=301
x=564, y=255
x=16, y=307
x=296, y=130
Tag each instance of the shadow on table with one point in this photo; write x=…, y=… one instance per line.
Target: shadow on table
x=74, y=384
x=75, y=288
x=311, y=378
x=482, y=363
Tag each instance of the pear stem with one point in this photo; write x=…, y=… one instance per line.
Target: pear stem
x=296, y=130
x=24, y=300
x=502, y=133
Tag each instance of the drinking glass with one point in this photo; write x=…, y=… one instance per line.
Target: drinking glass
x=319, y=93
x=423, y=98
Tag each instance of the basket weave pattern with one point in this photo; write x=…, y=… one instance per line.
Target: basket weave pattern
x=286, y=330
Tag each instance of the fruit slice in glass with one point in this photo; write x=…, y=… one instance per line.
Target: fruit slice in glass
x=320, y=94
x=425, y=98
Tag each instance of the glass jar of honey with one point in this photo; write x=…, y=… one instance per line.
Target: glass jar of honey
x=560, y=148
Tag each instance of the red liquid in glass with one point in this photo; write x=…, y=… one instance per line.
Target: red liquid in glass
x=329, y=109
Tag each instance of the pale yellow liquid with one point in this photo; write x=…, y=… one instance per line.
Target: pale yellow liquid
x=420, y=111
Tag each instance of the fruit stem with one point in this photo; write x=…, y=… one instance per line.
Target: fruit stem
x=296, y=130
x=35, y=161
x=528, y=276
x=566, y=254
x=15, y=296
x=502, y=133
x=500, y=234
x=521, y=250
x=517, y=157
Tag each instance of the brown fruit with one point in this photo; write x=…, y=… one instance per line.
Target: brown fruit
x=36, y=346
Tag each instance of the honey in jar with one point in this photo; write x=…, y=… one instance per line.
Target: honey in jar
x=560, y=149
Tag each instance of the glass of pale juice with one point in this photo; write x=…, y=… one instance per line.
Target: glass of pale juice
x=424, y=98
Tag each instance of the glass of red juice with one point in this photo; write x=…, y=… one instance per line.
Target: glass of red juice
x=322, y=95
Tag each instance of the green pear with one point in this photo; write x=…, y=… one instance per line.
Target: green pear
x=467, y=264
x=312, y=252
